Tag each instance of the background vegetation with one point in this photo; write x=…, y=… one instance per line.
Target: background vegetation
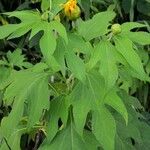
x=74, y=84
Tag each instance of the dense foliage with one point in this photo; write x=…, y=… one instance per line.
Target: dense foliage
x=74, y=75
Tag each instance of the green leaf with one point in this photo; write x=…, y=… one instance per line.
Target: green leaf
x=97, y=26
x=25, y=87
x=75, y=65
x=95, y=56
x=134, y=132
x=48, y=42
x=28, y=18
x=104, y=127
x=16, y=58
x=104, y=53
x=4, y=74
x=38, y=101
x=25, y=15
x=113, y=100
x=53, y=64
x=59, y=54
x=90, y=96
x=127, y=26
x=60, y=29
x=9, y=124
x=36, y=28
x=56, y=6
x=39, y=67
x=45, y=5
x=91, y=141
x=144, y=130
x=8, y=30
x=77, y=44
x=14, y=140
x=108, y=67
x=31, y=20
x=58, y=110
x=3, y=63
x=125, y=47
x=88, y=99
x=123, y=144
x=67, y=139
x=81, y=101
x=119, y=143
x=24, y=28
x=142, y=38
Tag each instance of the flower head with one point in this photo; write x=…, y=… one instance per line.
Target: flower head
x=70, y=6
x=71, y=9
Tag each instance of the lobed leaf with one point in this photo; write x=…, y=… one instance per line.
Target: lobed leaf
x=75, y=65
x=97, y=26
x=125, y=47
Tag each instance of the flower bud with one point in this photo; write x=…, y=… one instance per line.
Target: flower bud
x=116, y=29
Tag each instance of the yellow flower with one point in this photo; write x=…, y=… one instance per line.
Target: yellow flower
x=70, y=6
x=71, y=9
